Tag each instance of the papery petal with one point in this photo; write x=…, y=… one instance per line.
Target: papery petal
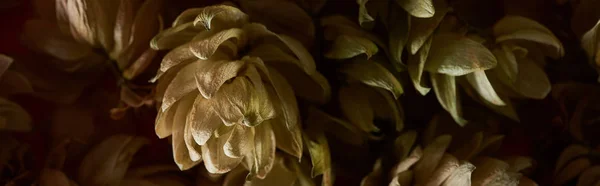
x=448, y=164
x=487, y=170
x=214, y=157
x=264, y=150
x=461, y=175
x=346, y=46
x=447, y=55
x=404, y=143
x=373, y=74
x=206, y=47
x=240, y=142
x=356, y=107
x=479, y=81
x=107, y=162
x=416, y=67
x=174, y=36
x=446, y=93
x=419, y=8
x=568, y=154
x=422, y=28
x=432, y=154
x=202, y=120
x=220, y=17
x=211, y=75
x=185, y=153
x=181, y=85
x=571, y=170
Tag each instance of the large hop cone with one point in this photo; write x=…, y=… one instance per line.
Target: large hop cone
x=228, y=90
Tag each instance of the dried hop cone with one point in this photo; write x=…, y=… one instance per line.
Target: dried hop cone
x=228, y=90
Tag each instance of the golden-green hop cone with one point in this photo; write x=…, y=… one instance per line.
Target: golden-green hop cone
x=228, y=90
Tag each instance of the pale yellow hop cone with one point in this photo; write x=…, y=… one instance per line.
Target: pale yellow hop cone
x=228, y=90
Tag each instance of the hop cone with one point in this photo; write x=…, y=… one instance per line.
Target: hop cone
x=228, y=90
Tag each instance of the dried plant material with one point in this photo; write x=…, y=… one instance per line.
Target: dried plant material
x=175, y=36
x=590, y=42
x=280, y=175
x=107, y=162
x=482, y=85
x=13, y=117
x=374, y=177
x=416, y=67
x=506, y=178
x=399, y=33
x=318, y=149
x=337, y=25
x=568, y=154
x=140, y=64
x=488, y=169
x=393, y=112
x=409, y=161
x=245, y=103
x=571, y=170
x=535, y=36
x=419, y=8
x=422, y=28
x=403, y=178
x=214, y=157
x=446, y=55
x=364, y=18
x=404, y=143
x=507, y=62
x=461, y=175
x=519, y=163
x=447, y=165
x=432, y=154
x=446, y=93
x=346, y=46
x=375, y=75
x=512, y=23
x=532, y=80
x=357, y=108
x=340, y=129
x=517, y=27
x=284, y=17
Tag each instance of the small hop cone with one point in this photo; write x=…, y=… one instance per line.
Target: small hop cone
x=228, y=90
